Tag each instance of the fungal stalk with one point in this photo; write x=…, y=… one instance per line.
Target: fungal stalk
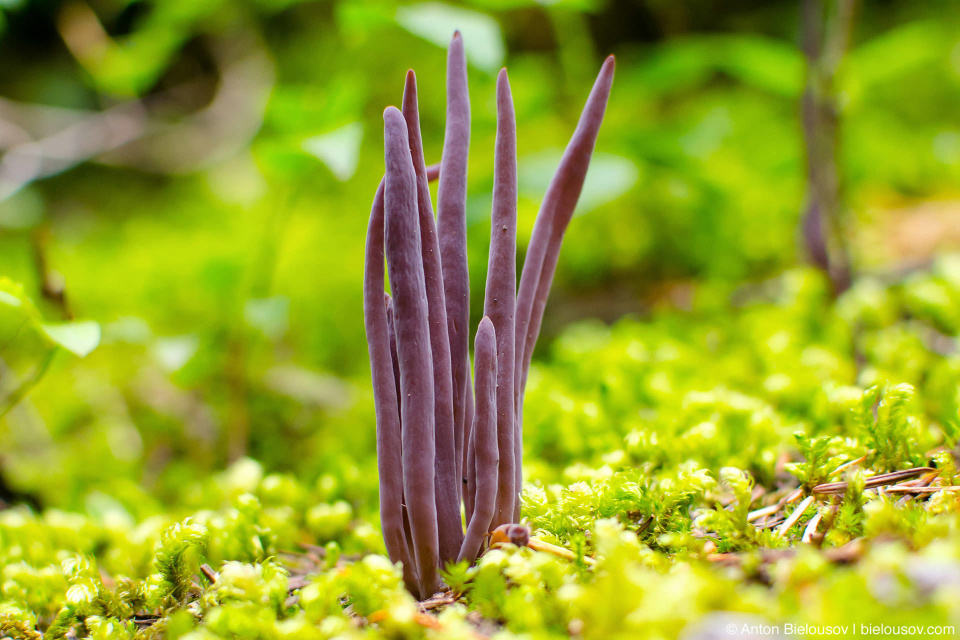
x=444, y=440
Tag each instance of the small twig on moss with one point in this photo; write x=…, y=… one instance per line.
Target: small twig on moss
x=765, y=512
x=811, y=528
x=437, y=601
x=829, y=520
x=923, y=481
x=795, y=516
x=883, y=479
x=850, y=552
x=922, y=490
x=644, y=525
x=208, y=573
x=848, y=464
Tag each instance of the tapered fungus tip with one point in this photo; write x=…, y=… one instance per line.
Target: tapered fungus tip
x=608, y=66
x=409, y=104
x=503, y=84
x=456, y=46
x=393, y=121
x=486, y=334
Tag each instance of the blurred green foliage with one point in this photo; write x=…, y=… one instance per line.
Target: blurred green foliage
x=225, y=270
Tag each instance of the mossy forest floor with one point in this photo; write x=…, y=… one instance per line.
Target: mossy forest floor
x=768, y=462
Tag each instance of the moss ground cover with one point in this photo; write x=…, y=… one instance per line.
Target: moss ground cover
x=721, y=464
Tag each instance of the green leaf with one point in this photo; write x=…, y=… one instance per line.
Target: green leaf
x=771, y=65
x=680, y=65
x=175, y=352
x=436, y=22
x=674, y=66
x=887, y=57
x=10, y=299
x=338, y=149
x=79, y=338
x=609, y=177
x=269, y=315
x=12, y=295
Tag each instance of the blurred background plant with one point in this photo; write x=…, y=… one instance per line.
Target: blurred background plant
x=195, y=177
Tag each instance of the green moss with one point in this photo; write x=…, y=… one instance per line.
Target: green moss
x=650, y=445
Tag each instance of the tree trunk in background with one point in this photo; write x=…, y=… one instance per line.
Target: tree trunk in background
x=826, y=27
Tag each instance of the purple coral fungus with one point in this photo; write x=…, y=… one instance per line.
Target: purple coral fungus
x=439, y=443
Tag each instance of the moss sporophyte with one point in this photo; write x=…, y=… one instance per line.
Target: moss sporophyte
x=442, y=439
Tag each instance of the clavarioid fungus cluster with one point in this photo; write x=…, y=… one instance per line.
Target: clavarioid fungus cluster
x=444, y=440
